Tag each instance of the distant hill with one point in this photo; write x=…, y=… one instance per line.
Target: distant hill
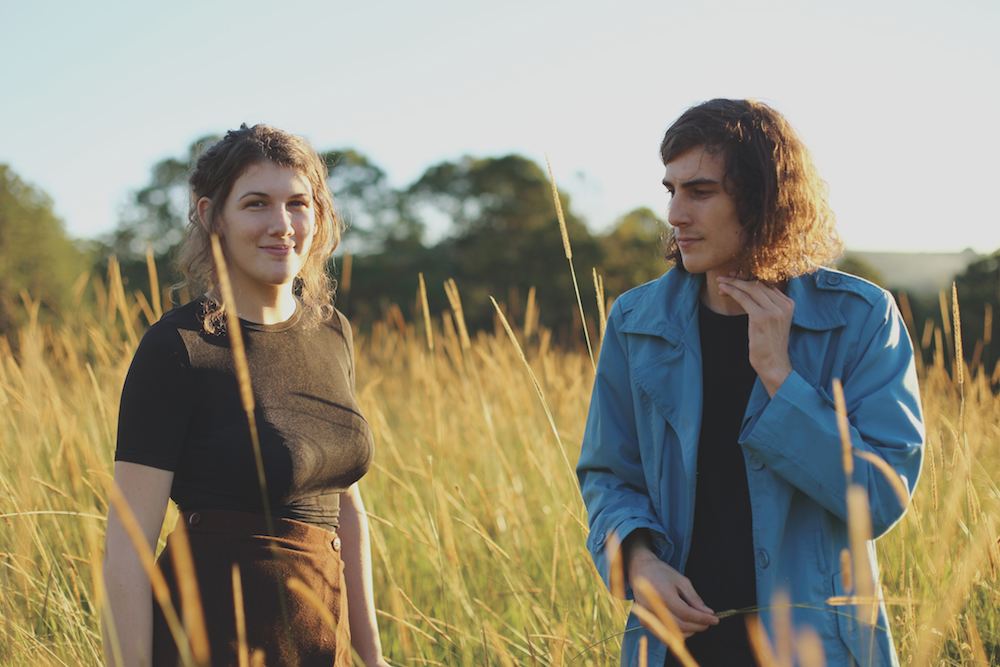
x=924, y=273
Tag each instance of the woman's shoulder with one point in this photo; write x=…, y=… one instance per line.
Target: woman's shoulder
x=167, y=334
x=338, y=323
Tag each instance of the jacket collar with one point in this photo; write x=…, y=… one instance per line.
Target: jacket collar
x=669, y=305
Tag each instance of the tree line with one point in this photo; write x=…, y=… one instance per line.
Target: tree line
x=500, y=238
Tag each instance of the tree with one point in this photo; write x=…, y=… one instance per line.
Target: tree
x=36, y=255
x=159, y=211
x=155, y=218
x=505, y=235
x=633, y=251
x=853, y=264
x=376, y=213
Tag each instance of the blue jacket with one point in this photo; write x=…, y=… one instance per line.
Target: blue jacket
x=639, y=454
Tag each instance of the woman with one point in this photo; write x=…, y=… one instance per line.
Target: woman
x=298, y=530
x=711, y=453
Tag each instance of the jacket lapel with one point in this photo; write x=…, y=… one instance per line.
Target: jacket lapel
x=666, y=364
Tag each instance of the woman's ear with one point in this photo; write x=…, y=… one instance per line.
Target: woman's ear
x=202, y=208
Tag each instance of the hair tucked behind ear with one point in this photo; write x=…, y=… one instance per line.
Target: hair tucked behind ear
x=213, y=177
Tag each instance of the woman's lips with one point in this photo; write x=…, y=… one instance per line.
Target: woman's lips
x=277, y=251
x=686, y=243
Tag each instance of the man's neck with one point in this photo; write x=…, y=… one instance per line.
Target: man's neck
x=715, y=300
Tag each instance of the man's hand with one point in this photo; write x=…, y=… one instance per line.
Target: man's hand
x=672, y=587
x=770, y=314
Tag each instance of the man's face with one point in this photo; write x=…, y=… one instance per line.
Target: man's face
x=702, y=214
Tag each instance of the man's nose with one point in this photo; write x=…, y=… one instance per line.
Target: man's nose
x=677, y=214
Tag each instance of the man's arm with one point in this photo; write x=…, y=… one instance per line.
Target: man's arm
x=797, y=436
x=614, y=491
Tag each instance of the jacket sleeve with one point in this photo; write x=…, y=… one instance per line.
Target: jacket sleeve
x=796, y=434
x=610, y=468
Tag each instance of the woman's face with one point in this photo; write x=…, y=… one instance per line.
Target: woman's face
x=267, y=226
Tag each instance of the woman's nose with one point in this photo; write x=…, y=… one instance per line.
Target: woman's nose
x=281, y=223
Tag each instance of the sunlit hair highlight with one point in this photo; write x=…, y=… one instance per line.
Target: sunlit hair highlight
x=780, y=199
x=214, y=175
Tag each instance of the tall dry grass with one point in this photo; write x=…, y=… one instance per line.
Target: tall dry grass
x=477, y=525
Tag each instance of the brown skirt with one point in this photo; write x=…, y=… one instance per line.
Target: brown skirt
x=304, y=623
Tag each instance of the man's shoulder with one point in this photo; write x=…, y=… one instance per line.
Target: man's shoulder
x=656, y=290
x=832, y=280
x=636, y=295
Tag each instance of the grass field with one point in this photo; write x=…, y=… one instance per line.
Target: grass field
x=477, y=525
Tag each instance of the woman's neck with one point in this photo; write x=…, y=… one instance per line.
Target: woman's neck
x=264, y=306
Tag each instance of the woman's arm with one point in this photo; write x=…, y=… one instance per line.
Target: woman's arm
x=356, y=554
x=129, y=618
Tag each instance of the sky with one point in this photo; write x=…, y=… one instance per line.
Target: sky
x=898, y=101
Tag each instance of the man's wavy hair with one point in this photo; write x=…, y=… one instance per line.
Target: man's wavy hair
x=780, y=199
x=214, y=175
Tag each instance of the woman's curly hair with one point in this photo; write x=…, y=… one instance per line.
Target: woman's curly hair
x=780, y=199
x=214, y=175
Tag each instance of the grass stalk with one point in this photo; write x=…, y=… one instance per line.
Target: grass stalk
x=154, y=283
x=569, y=258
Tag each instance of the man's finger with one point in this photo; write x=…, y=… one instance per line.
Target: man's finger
x=685, y=613
x=765, y=295
x=691, y=596
x=688, y=629
x=742, y=297
x=770, y=294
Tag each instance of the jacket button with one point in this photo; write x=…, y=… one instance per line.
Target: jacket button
x=756, y=463
x=763, y=559
x=194, y=519
x=335, y=544
x=834, y=279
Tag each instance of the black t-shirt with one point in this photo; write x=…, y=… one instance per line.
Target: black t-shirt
x=181, y=411
x=720, y=563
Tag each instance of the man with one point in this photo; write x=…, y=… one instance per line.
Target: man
x=711, y=452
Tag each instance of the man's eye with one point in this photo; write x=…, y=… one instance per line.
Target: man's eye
x=701, y=194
